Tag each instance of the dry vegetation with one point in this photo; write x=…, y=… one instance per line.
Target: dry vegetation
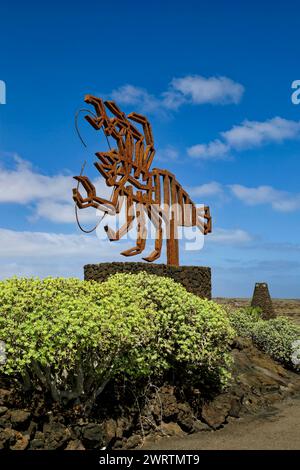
x=286, y=307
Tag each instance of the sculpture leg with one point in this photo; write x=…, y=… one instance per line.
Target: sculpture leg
x=141, y=233
x=172, y=243
x=203, y=220
x=114, y=236
x=157, y=222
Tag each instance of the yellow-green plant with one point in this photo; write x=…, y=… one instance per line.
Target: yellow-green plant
x=275, y=337
x=71, y=337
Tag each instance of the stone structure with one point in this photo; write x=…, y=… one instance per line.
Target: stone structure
x=261, y=298
x=196, y=279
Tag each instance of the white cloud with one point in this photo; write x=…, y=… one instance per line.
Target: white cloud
x=42, y=244
x=136, y=96
x=25, y=253
x=167, y=154
x=172, y=99
x=254, y=196
x=254, y=133
x=208, y=189
x=229, y=236
x=249, y=134
x=50, y=197
x=281, y=201
x=59, y=212
x=213, y=90
x=22, y=184
x=193, y=89
x=215, y=150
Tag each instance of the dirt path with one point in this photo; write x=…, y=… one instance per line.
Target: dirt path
x=276, y=429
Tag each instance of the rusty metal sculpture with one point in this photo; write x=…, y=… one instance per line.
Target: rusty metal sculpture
x=155, y=193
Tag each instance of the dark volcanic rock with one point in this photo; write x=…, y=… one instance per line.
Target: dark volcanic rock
x=198, y=426
x=7, y=438
x=5, y=420
x=167, y=404
x=215, y=412
x=110, y=430
x=4, y=396
x=3, y=410
x=19, y=419
x=133, y=441
x=262, y=299
x=22, y=442
x=196, y=279
x=235, y=409
x=56, y=435
x=93, y=435
x=171, y=429
x=75, y=445
x=124, y=424
x=185, y=417
x=38, y=442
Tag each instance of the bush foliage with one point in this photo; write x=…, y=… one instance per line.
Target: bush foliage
x=277, y=337
x=244, y=319
x=71, y=337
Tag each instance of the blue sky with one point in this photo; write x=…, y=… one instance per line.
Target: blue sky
x=214, y=78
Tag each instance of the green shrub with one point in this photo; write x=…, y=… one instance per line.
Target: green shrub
x=275, y=337
x=243, y=320
x=71, y=337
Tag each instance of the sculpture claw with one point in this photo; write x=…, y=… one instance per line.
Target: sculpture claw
x=131, y=252
x=152, y=257
x=110, y=233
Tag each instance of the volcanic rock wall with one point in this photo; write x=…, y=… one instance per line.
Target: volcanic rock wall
x=196, y=279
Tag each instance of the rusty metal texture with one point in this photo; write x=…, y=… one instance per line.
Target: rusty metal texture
x=153, y=193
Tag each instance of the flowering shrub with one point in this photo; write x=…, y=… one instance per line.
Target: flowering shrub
x=71, y=337
x=276, y=337
x=244, y=319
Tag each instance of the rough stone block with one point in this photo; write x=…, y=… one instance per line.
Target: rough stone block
x=196, y=279
x=262, y=299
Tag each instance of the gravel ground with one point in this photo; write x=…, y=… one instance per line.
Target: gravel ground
x=276, y=429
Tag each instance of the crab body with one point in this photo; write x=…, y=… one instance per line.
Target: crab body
x=155, y=193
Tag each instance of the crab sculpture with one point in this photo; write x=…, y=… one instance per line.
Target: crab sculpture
x=148, y=192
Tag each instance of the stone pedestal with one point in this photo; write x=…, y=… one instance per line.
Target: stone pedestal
x=261, y=298
x=196, y=279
